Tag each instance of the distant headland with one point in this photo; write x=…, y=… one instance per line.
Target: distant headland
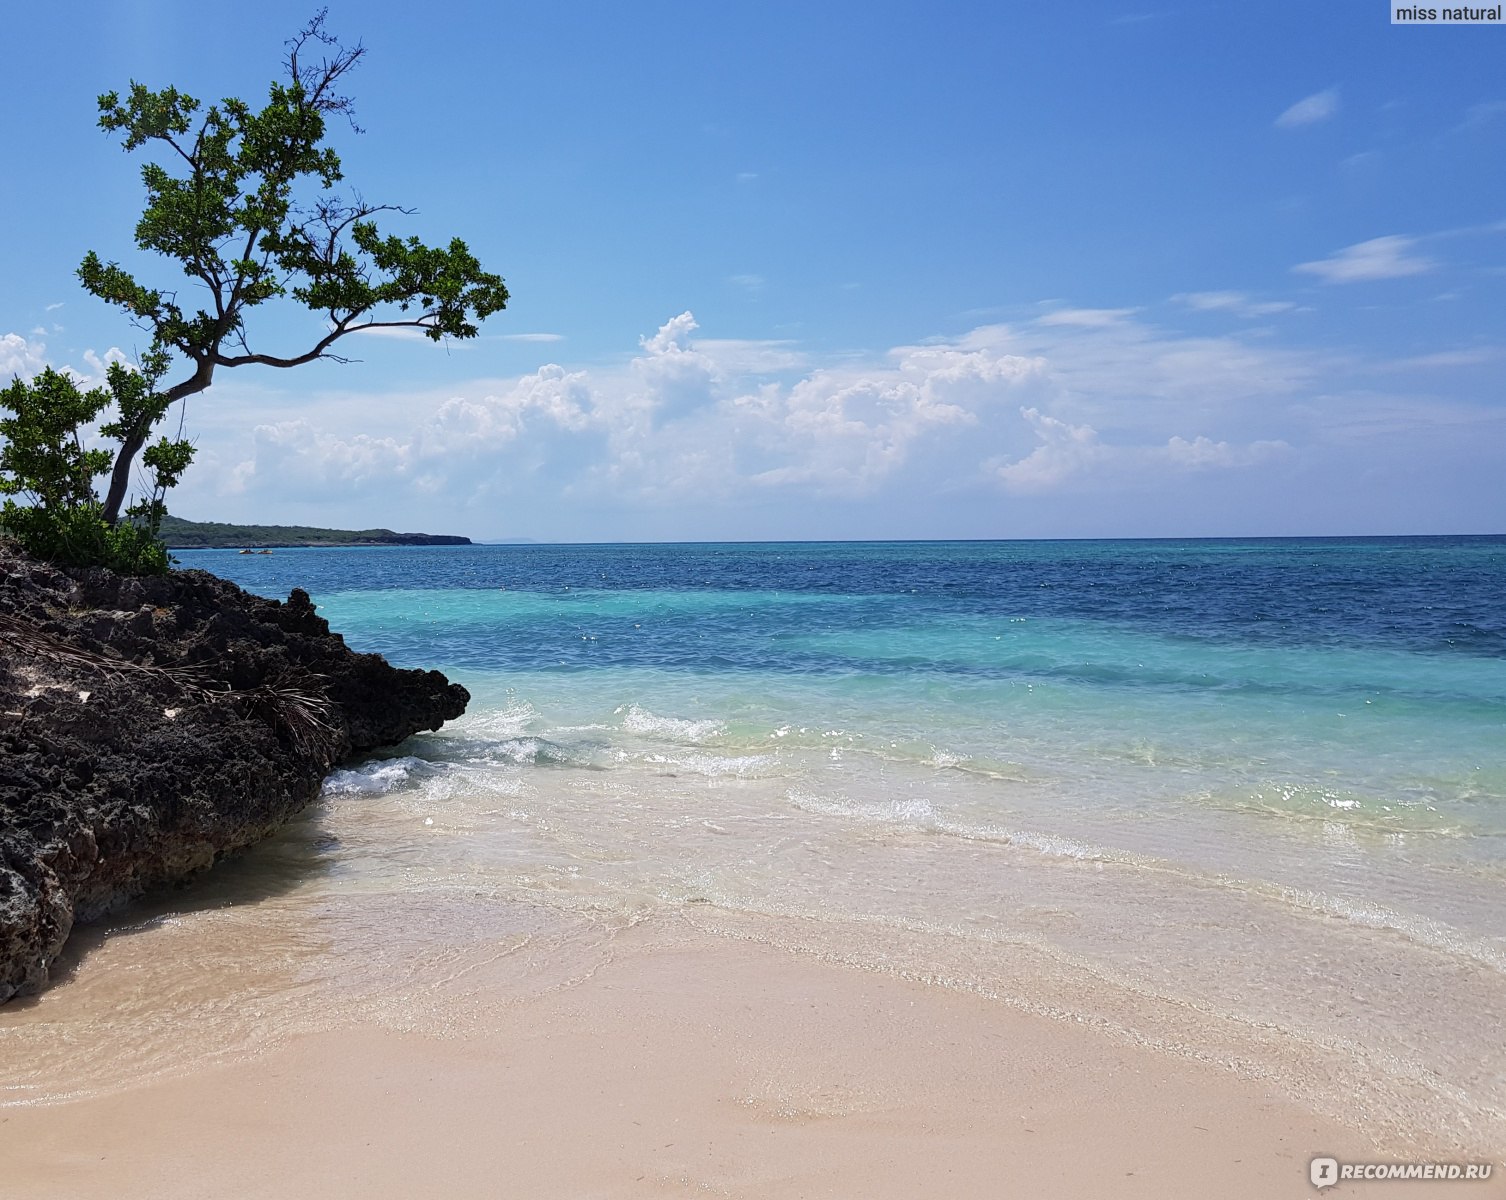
x=216, y=535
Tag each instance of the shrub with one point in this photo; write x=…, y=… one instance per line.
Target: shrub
x=44, y=460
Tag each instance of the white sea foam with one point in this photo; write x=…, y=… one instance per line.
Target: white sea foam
x=912, y=812
x=380, y=777
x=518, y=751
x=921, y=815
x=498, y=723
x=640, y=720
x=1422, y=930
x=711, y=765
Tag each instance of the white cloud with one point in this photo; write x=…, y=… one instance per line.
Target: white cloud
x=1130, y=374
x=1055, y=405
x=1201, y=453
x=98, y=364
x=1102, y=422
x=396, y=333
x=1090, y=318
x=1448, y=358
x=1390, y=257
x=753, y=357
x=749, y=283
x=1066, y=451
x=25, y=357
x=1320, y=106
x=409, y=333
x=20, y=356
x=1236, y=302
x=1482, y=114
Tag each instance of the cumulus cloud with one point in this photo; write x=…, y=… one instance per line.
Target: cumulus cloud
x=1050, y=406
x=25, y=357
x=1066, y=451
x=1130, y=374
x=1320, y=106
x=98, y=364
x=20, y=356
x=1390, y=257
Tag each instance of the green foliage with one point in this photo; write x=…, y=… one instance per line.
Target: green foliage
x=247, y=209
x=44, y=456
x=199, y=535
x=45, y=461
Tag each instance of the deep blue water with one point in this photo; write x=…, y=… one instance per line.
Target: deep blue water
x=1432, y=594
x=1363, y=679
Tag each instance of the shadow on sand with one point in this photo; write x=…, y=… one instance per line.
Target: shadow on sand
x=298, y=852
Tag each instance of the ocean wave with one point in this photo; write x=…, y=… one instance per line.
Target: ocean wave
x=497, y=724
x=711, y=765
x=1423, y=931
x=921, y=816
x=640, y=720
x=529, y=752
x=379, y=778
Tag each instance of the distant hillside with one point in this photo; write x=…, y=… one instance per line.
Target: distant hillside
x=213, y=535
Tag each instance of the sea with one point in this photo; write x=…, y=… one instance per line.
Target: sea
x=1242, y=801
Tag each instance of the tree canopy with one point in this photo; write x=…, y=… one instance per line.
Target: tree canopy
x=245, y=202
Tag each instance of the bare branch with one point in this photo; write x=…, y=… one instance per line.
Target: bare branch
x=316, y=81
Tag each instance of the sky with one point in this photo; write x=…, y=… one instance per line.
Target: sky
x=838, y=270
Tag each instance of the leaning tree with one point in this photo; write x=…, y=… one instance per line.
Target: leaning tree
x=246, y=203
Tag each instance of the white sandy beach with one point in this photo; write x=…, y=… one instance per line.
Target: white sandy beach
x=690, y=1065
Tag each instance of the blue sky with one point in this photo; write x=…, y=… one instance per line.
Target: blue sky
x=841, y=270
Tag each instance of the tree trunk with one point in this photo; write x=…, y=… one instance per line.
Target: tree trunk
x=120, y=475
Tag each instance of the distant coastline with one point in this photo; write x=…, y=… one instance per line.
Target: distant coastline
x=216, y=535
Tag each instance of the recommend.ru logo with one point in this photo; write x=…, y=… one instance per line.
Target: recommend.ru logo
x=1325, y=1172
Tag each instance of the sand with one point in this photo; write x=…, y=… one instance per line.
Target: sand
x=695, y=1066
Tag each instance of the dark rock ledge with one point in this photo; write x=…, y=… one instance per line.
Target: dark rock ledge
x=149, y=727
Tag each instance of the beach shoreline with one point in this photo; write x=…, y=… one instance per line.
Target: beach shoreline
x=734, y=883
x=686, y=1063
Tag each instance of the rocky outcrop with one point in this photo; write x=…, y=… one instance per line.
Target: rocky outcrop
x=150, y=726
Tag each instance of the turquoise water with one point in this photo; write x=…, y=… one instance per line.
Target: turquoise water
x=1244, y=801
x=1356, y=680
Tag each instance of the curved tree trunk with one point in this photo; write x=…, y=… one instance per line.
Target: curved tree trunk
x=120, y=477
x=120, y=474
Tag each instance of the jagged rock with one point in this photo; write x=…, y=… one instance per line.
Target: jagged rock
x=150, y=726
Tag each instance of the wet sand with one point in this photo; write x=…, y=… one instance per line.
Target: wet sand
x=694, y=1065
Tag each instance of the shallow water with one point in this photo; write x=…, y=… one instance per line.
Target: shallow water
x=1245, y=801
